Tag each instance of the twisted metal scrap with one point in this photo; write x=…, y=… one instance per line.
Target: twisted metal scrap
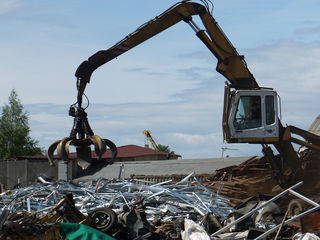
x=178, y=200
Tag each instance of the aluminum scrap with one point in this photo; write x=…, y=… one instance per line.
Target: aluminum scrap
x=176, y=200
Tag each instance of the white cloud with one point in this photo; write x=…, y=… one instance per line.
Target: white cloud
x=8, y=6
x=293, y=69
x=191, y=126
x=195, y=139
x=48, y=118
x=168, y=85
x=309, y=31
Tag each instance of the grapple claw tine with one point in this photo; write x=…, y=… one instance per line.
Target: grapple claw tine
x=63, y=148
x=100, y=146
x=84, y=155
x=51, y=150
x=112, y=147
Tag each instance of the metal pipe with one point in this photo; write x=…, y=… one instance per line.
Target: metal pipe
x=194, y=26
x=161, y=183
x=255, y=210
x=304, y=198
x=205, y=206
x=288, y=221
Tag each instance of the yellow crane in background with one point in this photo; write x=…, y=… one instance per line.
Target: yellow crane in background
x=149, y=139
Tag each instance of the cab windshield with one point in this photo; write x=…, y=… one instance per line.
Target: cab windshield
x=248, y=114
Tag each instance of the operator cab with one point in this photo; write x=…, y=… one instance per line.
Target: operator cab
x=250, y=116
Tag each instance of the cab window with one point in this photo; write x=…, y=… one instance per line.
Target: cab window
x=270, y=112
x=248, y=114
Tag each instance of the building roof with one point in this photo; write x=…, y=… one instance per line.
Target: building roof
x=160, y=167
x=125, y=151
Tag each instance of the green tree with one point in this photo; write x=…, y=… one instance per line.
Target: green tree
x=14, y=131
x=164, y=148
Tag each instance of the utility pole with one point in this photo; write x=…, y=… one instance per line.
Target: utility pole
x=225, y=149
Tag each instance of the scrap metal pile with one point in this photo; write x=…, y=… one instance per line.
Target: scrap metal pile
x=122, y=209
x=131, y=210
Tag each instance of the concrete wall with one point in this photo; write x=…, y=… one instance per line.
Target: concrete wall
x=39, y=168
x=24, y=172
x=67, y=170
x=3, y=170
x=16, y=173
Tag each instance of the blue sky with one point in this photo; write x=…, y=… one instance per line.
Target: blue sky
x=168, y=84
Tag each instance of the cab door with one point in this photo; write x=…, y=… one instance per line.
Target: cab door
x=253, y=116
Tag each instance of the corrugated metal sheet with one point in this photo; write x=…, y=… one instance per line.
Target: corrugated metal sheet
x=162, y=167
x=315, y=126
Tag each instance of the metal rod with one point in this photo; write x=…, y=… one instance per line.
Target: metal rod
x=288, y=221
x=281, y=224
x=194, y=26
x=205, y=206
x=255, y=210
x=28, y=205
x=304, y=198
x=186, y=179
x=161, y=183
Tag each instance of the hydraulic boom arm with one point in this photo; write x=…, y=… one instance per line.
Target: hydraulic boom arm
x=250, y=112
x=230, y=63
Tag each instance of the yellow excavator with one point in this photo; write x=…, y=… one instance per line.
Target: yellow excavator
x=251, y=113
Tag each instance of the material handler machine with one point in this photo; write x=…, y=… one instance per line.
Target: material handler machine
x=251, y=112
